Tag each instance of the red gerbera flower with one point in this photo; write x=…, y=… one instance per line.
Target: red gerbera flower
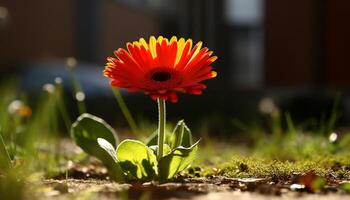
x=161, y=68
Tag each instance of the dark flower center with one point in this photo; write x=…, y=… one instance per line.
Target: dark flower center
x=161, y=76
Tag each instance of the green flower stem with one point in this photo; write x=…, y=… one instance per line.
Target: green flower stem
x=161, y=127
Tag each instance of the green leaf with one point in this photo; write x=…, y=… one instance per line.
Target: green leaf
x=166, y=149
x=176, y=161
x=88, y=128
x=85, y=132
x=181, y=136
x=137, y=160
x=108, y=147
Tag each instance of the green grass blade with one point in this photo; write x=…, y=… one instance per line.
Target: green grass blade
x=125, y=110
x=71, y=64
x=334, y=115
x=5, y=159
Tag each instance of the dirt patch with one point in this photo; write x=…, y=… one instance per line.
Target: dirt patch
x=88, y=179
x=199, y=188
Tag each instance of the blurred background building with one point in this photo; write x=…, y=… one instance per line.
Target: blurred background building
x=282, y=49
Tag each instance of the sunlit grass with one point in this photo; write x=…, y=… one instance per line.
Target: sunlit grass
x=263, y=167
x=278, y=151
